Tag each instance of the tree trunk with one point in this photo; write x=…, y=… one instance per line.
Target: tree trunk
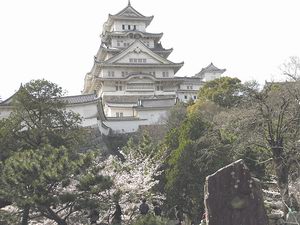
x=25, y=215
x=282, y=174
x=52, y=215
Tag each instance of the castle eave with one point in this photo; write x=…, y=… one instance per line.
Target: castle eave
x=112, y=18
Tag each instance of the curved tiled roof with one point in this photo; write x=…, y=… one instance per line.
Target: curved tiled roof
x=134, y=99
x=209, y=69
x=78, y=99
x=129, y=11
x=158, y=102
x=128, y=32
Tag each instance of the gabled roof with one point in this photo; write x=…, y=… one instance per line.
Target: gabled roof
x=9, y=101
x=104, y=49
x=139, y=47
x=211, y=68
x=129, y=13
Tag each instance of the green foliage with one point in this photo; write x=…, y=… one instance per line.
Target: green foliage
x=195, y=151
x=193, y=127
x=7, y=218
x=253, y=157
x=224, y=91
x=177, y=115
x=196, y=147
x=143, y=146
x=41, y=166
x=35, y=177
x=39, y=118
x=150, y=220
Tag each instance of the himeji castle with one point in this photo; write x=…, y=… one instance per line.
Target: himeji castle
x=132, y=83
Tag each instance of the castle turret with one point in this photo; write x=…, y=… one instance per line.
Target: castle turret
x=131, y=64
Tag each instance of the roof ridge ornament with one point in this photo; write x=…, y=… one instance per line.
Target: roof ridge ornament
x=129, y=4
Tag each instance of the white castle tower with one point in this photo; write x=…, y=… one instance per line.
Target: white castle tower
x=131, y=72
x=132, y=82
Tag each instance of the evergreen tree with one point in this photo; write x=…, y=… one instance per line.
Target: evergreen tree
x=42, y=169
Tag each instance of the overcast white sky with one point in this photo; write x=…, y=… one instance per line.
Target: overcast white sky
x=57, y=39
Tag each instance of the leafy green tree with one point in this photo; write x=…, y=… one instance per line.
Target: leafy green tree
x=195, y=151
x=197, y=146
x=39, y=118
x=225, y=92
x=176, y=116
x=54, y=182
x=41, y=159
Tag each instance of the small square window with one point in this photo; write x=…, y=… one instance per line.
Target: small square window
x=185, y=97
x=123, y=27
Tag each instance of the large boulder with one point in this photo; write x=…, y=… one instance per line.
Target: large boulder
x=233, y=197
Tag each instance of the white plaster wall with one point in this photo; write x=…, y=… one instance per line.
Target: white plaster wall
x=109, y=86
x=170, y=87
x=140, y=26
x=184, y=86
x=141, y=55
x=126, y=111
x=211, y=76
x=125, y=126
x=88, y=112
x=121, y=41
x=107, y=110
x=170, y=73
x=118, y=72
x=114, y=42
x=190, y=95
x=102, y=128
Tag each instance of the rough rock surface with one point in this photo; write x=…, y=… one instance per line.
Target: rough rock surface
x=233, y=197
